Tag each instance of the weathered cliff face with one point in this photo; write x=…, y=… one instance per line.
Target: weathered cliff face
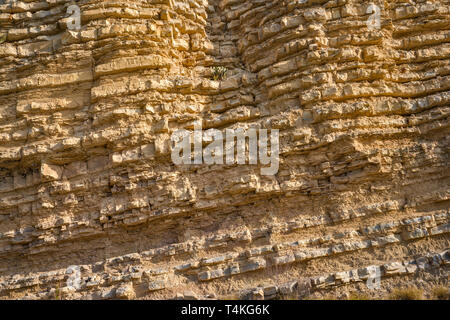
x=87, y=180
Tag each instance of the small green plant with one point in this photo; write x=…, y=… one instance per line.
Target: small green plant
x=406, y=294
x=2, y=37
x=58, y=292
x=218, y=73
x=441, y=293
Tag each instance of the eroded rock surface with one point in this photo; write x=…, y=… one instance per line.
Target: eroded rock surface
x=86, y=177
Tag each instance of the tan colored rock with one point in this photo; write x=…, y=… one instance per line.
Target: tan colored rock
x=86, y=176
x=51, y=172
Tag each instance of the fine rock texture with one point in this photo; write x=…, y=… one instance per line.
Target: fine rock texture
x=87, y=180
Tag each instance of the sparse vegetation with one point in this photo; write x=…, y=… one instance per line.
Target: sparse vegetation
x=229, y=297
x=406, y=294
x=287, y=297
x=218, y=73
x=58, y=292
x=441, y=293
x=2, y=37
x=358, y=296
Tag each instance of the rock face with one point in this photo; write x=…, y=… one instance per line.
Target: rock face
x=92, y=206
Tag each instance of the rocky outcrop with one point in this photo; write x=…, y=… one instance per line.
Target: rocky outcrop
x=87, y=182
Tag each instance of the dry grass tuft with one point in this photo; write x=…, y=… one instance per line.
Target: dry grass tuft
x=406, y=294
x=230, y=297
x=358, y=296
x=441, y=293
x=287, y=297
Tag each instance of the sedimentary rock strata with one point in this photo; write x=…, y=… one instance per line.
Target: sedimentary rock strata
x=87, y=183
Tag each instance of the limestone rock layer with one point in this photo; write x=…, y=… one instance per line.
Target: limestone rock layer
x=87, y=180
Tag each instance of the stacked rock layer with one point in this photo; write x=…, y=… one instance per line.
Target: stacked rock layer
x=87, y=181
